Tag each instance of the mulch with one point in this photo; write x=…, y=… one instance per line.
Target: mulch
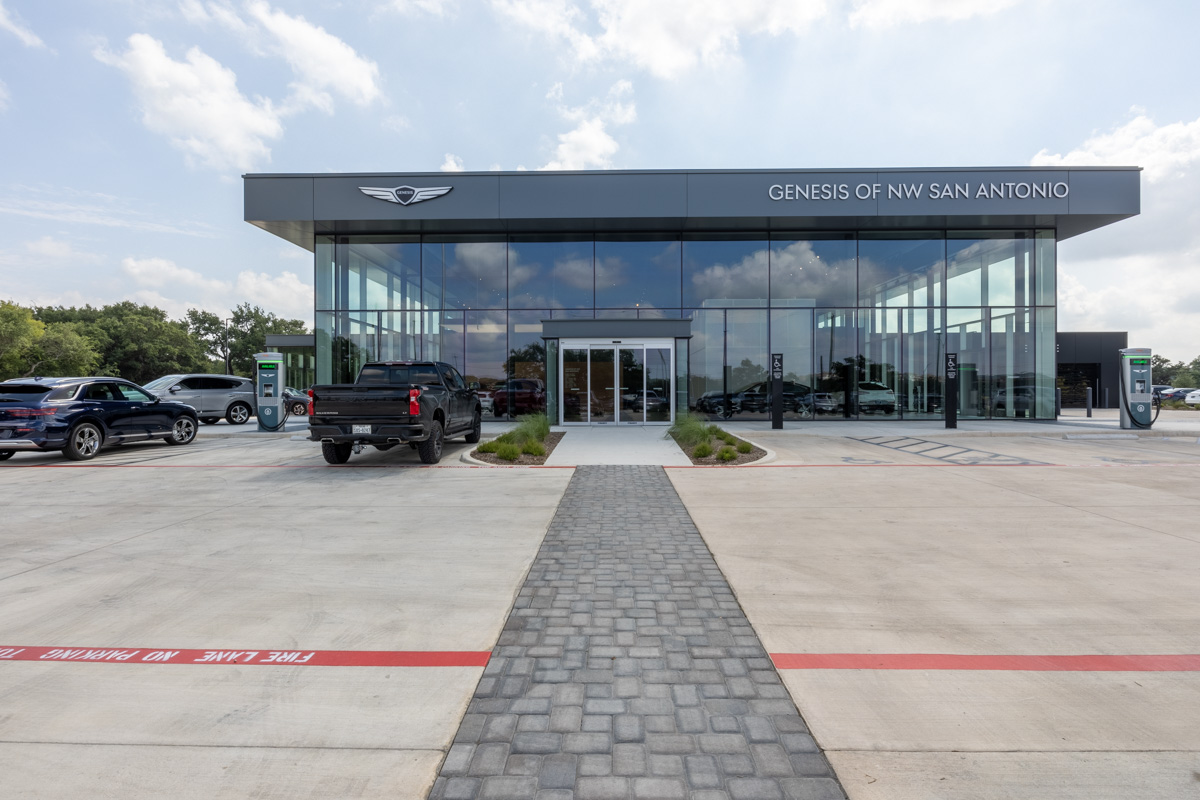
x=712, y=461
x=525, y=460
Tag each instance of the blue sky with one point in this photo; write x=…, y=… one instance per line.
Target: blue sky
x=125, y=125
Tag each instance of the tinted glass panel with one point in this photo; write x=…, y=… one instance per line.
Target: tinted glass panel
x=989, y=269
x=638, y=274
x=835, y=357
x=924, y=351
x=900, y=270
x=725, y=273
x=792, y=336
x=474, y=274
x=527, y=358
x=813, y=271
x=486, y=345
x=1046, y=272
x=746, y=361
x=965, y=336
x=382, y=275
x=706, y=361
x=880, y=365
x=551, y=274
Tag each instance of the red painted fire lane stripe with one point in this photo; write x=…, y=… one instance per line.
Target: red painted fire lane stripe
x=308, y=658
x=945, y=661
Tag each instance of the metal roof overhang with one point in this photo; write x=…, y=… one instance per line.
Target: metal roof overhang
x=298, y=208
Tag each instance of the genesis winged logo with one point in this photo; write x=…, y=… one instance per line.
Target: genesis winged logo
x=405, y=195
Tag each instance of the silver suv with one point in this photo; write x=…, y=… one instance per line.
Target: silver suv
x=213, y=396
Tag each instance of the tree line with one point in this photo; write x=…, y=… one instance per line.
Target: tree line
x=1178, y=374
x=132, y=341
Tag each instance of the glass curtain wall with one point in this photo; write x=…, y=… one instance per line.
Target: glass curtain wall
x=863, y=320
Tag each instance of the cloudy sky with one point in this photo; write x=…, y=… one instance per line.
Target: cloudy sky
x=125, y=125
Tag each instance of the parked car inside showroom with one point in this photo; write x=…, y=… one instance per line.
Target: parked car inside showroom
x=213, y=396
x=79, y=416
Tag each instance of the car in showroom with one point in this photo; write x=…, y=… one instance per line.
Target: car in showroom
x=79, y=416
x=213, y=396
x=1024, y=398
x=519, y=396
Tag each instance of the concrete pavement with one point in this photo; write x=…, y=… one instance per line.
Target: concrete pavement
x=873, y=541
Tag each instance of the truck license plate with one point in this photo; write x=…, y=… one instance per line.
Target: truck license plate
x=362, y=429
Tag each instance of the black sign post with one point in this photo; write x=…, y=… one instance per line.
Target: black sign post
x=951, y=391
x=777, y=391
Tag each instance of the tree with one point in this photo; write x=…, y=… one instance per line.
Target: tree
x=136, y=342
x=19, y=330
x=210, y=330
x=63, y=350
x=248, y=331
x=30, y=346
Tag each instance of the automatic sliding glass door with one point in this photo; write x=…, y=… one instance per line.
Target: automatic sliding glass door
x=603, y=384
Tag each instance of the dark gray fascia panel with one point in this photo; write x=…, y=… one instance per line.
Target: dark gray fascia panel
x=1071, y=199
x=616, y=329
x=593, y=196
x=278, y=199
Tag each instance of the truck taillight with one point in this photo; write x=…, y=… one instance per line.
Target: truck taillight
x=310, y=402
x=414, y=407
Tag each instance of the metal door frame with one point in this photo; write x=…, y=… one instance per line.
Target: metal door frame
x=615, y=345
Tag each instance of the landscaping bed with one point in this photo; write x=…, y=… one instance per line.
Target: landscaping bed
x=709, y=445
x=528, y=444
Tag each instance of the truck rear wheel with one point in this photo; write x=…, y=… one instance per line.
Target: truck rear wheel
x=476, y=431
x=430, y=450
x=336, y=453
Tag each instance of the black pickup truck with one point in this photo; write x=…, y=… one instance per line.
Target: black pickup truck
x=419, y=403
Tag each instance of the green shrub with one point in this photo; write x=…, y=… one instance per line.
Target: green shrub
x=715, y=430
x=532, y=426
x=703, y=450
x=728, y=438
x=533, y=448
x=508, y=452
x=490, y=447
x=744, y=447
x=689, y=430
x=727, y=454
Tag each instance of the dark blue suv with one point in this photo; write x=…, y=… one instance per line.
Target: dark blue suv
x=81, y=415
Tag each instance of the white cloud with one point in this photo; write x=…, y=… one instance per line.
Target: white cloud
x=1164, y=152
x=888, y=13
x=70, y=206
x=452, y=164
x=321, y=61
x=10, y=24
x=1158, y=250
x=162, y=282
x=397, y=124
x=434, y=8
x=665, y=37
x=197, y=105
x=589, y=145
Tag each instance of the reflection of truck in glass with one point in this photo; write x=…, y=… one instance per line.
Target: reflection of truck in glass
x=519, y=396
x=755, y=398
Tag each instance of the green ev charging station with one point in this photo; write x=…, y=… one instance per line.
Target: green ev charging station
x=270, y=378
x=1137, y=389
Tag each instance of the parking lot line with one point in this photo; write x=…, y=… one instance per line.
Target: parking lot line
x=1179, y=662
x=266, y=657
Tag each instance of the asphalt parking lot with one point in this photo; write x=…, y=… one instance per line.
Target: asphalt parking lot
x=976, y=617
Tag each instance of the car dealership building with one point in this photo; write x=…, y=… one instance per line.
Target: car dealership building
x=627, y=297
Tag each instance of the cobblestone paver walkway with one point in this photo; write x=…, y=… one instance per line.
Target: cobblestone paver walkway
x=628, y=670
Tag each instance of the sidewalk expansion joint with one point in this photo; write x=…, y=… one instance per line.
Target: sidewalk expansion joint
x=627, y=669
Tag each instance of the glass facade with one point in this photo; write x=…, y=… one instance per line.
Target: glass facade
x=863, y=320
